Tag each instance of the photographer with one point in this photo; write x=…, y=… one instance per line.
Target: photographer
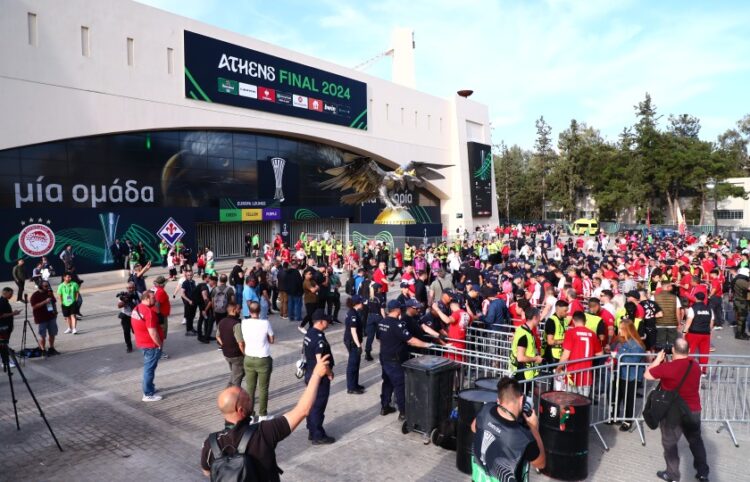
x=685, y=413
x=513, y=432
x=127, y=301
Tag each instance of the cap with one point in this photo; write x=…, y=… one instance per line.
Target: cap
x=744, y=271
x=404, y=284
x=356, y=299
x=633, y=294
x=393, y=305
x=319, y=315
x=475, y=287
x=160, y=280
x=412, y=303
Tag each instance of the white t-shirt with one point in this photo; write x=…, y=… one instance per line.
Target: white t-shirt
x=255, y=334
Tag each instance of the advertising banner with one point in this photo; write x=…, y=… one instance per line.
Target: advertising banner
x=224, y=73
x=480, y=171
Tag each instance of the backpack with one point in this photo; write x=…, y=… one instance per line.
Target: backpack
x=364, y=289
x=221, y=299
x=232, y=468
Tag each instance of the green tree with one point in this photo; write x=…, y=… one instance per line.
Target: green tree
x=544, y=157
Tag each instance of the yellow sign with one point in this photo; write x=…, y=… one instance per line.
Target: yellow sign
x=252, y=214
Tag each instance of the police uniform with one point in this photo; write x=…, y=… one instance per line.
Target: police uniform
x=315, y=343
x=393, y=352
x=374, y=317
x=353, y=320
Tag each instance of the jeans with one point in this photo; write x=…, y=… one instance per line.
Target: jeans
x=264, y=306
x=236, y=370
x=670, y=436
x=352, y=367
x=258, y=372
x=238, y=293
x=189, y=315
x=150, y=360
x=126, y=330
x=295, y=308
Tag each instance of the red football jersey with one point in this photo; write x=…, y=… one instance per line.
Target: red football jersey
x=582, y=343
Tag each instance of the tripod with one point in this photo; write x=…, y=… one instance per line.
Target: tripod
x=26, y=328
x=6, y=354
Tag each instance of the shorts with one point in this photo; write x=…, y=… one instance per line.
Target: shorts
x=68, y=311
x=48, y=327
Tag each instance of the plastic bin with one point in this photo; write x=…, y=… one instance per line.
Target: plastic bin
x=429, y=394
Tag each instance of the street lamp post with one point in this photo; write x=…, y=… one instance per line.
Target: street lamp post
x=711, y=185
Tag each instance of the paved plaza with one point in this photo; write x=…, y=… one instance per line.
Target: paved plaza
x=92, y=398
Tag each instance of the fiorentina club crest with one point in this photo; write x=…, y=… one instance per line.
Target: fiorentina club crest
x=36, y=240
x=171, y=232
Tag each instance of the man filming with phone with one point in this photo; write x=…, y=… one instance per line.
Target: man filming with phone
x=6, y=322
x=506, y=435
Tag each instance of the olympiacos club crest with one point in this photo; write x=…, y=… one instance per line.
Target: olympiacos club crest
x=36, y=240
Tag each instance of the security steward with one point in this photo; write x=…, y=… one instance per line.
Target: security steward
x=524, y=353
x=394, y=338
x=354, y=329
x=316, y=347
x=741, y=293
x=554, y=331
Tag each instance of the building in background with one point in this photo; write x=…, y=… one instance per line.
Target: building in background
x=118, y=117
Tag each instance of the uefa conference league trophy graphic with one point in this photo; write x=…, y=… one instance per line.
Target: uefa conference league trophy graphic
x=109, y=226
x=278, y=172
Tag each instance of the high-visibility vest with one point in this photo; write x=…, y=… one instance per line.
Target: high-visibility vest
x=163, y=248
x=559, y=335
x=515, y=365
x=592, y=322
x=329, y=248
x=620, y=315
x=408, y=253
x=492, y=248
x=319, y=248
x=340, y=248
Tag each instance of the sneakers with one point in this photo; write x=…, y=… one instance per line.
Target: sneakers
x=356, y=391
x=401, y=416
x=67, y=330
x=191, y=333
x=151, y=398
x=75, y=331
x=129, y=349
x=701, y=478
x=368, y=356
x=284, y=317
x=184, y=322
x=718, y=327
x=324, y=441
x=387, y=410
x=301, y=330
x=52, y=352
x=265, y=417
x=663, y=475
x=625, y=427
x=164, y=356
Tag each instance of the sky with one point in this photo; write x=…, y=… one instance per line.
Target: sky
x=592, y=60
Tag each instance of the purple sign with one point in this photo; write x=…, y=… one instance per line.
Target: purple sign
x=270, y=214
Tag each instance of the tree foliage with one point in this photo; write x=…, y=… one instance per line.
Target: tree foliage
x=648, y=169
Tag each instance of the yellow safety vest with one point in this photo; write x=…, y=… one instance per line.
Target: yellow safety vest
x=592, y=322
x=339, y=248
x=515, y=365
x=408, y=253
x=560, y=327
x=620, y=315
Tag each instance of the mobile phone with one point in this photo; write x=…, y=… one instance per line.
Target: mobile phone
x=528, y=406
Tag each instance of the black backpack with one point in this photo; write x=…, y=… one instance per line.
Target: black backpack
x=238, y=467
x=349, y=287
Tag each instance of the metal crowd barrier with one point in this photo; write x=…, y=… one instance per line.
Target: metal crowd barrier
x=724, y=392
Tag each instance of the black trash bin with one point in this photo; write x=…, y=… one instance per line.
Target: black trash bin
x=564, y=420
x=429, y=394
x=470, y=402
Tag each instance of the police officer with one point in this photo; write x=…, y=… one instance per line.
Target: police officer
x=354, y=329
x=316, y=347
x=375, y=313
x=419, y=328
x=394, y=338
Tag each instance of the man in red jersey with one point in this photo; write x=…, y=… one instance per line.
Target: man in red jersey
x=149, y=338
x=579, y=343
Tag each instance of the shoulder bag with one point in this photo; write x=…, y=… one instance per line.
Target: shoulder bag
x=659, y=402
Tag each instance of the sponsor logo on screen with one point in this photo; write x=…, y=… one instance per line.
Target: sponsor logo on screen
x=315, y=104
x=248, y=90
x=228, y=86
x=265, y=93
x=300, y=101
x=283, y=98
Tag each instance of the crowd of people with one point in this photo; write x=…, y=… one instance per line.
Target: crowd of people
x=565, y=299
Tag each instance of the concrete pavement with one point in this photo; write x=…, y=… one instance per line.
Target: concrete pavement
x=91, y=396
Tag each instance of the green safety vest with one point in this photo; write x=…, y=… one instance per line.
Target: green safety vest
x=408, y=253
x=328, y=248
x=560, y=327
x=492, y=248
x=515, y=365
x=163, y=248
x=620, y=315
x=339, y=248
x=319, y=248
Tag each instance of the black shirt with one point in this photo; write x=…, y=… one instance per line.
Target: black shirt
x=315, y=343
x=261, y=447
x=197, y=296
x=237, y=276
x=353, y=320
x=420, y=291
x=293, y=282
x=393, y=337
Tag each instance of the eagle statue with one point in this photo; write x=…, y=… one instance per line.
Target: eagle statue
x=369, y=181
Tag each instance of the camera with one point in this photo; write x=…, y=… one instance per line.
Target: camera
x=667, y=347
x=122, y=295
